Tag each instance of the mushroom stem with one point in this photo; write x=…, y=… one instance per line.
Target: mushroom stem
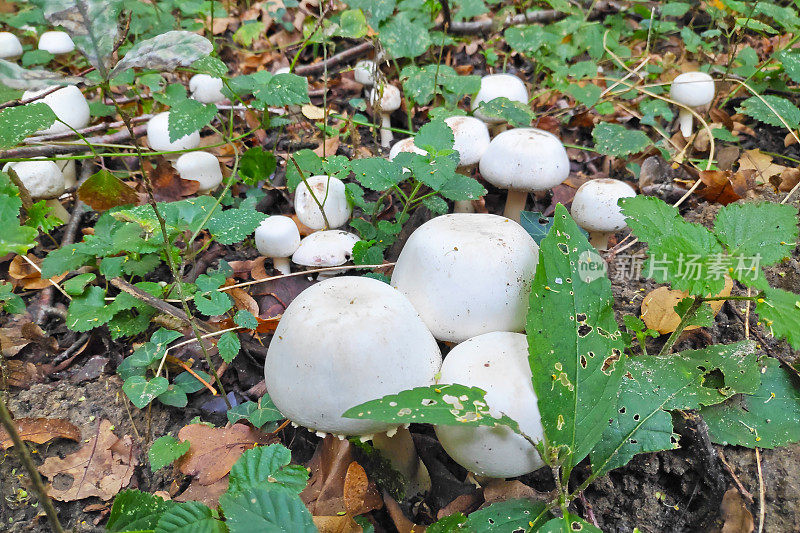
x=498, y=128
x=463, y=206
x=386, y=132
x=686, y=121
x=515, y=202
x=282, y=264
x=599, y=239
x=400, y=451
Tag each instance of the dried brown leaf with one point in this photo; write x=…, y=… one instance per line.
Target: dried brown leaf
x=208, y=494
x=40, y=430
x=737, y=517
x=761, y=163
x=360, y=495
x=167, y=185
x=324, y=494
x=658, y=307
x=213, y=451
x=724, y=186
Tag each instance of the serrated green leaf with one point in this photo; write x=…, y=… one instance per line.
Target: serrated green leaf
x=165, y=450
x=257, y=413
x=525, y=39
x=233, y=225
x=352, y=24
x=435, y=136
x=402, y=37
x=134, y=510
x=460, y=187
x=377, y=173
x=188, y=117
x=790, y=59
x=189, y=517
x=256, y=165
x=19, y=122
x=39, y=217
x=266, y=511
x=284, y=89
x=245, y=319
x=229, y=346
x=760, y=110
x=587, y=95
x=577, y=367
x=764, y=229
x=89, y=310
x=10, y=302
x=779, y=310
x=76, y=285
x=165, y=52
x=210, y=65
x=436, y=205
x=515, y=113
x=267, y=467
x=142, y=391
x=17, y=239
x=212, y=303
x=704, y=316
x=510, y=515
x=617, y=140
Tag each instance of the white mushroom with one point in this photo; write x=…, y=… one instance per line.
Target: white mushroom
x=498, y=86
x=43, y=179
x=329, y=192
x=283, y=70
x=158, y=136
x=497, y=363
x=56, y=42
x=68, y=104
x=366, y=72
x=693, y=89
x=201, y=167
x=322, y=249
x=68, y=169
x=468, y=274
x=405, y=145
x=206, y=89
x=385, y=100
x=471, y=138
x=595, y=208
x=278, y=238
x=524, y=160
x=10, y=47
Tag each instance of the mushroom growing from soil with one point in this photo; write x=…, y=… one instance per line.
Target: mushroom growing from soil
x=468, y=274
x=206, y=89
x=201, y=167
x=385, y=100
x=498, y=86
x=43, y=179
x=595, y=209
x=322, y=249
x=56, y=42
x=692, y=89
x=158, y=136
x=471, y=138
x=68, y=104
x=523, y=160
x=497, y=363
x=10, y=47
x=329, y=192
x=365, y=72
x=278, y=238
x=405, y=145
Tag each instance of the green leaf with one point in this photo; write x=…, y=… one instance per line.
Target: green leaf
x=461, y=187
x=210, y=65
x=257, y=413
x=165, y=450
x=568, y=524
x=403, y=38
x=284, y=89
x=447, y=405
x=310, y=163
x=536, y=224
x=377, y=10
x=436, y=205
x=448, y=524
x=233, y=225
x=188, y=117
x=266, y=511
x=763, y=229
x=525, y=39
x=435, y=136
x=173, y=396
x=75, y=286
x=759, y=110
x=587, y=95
x=103, y=191
x=779, y=310
x=212, y=303
x=88, y=311
x=767, y=418
x=515, y=113
x=39, y=217
x=10, y=302
x=248, y=32
x=165, y=52
x=141, y=391
x=17, y=239
x=653, y=385
x=134, y=510
x=576, y=367
x=229, y=346
x=256, y=165
x=377, y=173
x=617, y=140
x=190, y=384
x=510, y=515
x=352, y=24
x=245, y=319
x=16, y=77
x=19, y=122
x=790, y=59
x=267, y=467
x=189, y=517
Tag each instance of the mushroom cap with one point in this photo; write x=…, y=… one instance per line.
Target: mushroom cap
x=158, y=135
x=10, y=46
x=471, y=138
x=68, y=171
x=69, y=105
x=595, y=208
x=330, y=192
x=206, y=89
x=499, y=86
x=56, y=42
x=43, y=179
x=342, y=342
x=497, y=363
x=325, y=249
x=389, y=95
x=693, y=89
x=365, y=72
x=405, y=145
x=277, y=236
x=526, y=159
x=201, y=167
x=468, y=274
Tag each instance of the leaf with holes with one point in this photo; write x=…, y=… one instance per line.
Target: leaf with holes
x=654, y=385
x=536, y=224
x=569, y=523
x=16, y=77
x=19, y=122
x=577, y=367
x=165, y=52
x=261, y=509
x=187, y=517
x=165, y=450
x=617, y=140
x=770, y=109
x=134, y=510
x=268, y=467
x=510, y=515
x=779, y=310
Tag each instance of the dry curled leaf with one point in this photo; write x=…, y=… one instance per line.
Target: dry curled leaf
x=735, y=514
x=167, y=185
x=27, y=276
x=360, y=494
x=40, y=430
x=761, y=163
x=724, y=186
x=324, y=494
x=658, y=307
x=208, y=494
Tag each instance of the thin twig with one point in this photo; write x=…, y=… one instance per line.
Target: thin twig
x=762, y=511
x=50, y=150
x=480, y=26
x=304, y=273
x=341, y=57
x=39, y=270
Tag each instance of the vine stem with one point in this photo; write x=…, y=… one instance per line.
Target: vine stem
x=685, y=319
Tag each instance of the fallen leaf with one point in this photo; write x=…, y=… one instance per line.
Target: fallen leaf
x=328, y=147
x=788, y=179
x=324, y=494
x=104, y=190
x=761, y=163
x=724, y=186
x=101, y=468
x=40, y=430
x=26, y=274
x=736, y=517
x=312, y=112
x=336, y=524
x=360, y=494
x=243, y=301
x=500, y=490
x=213, y=451
x=167, y=185
x=22, y=374
x=208, y=494
x=658, y=307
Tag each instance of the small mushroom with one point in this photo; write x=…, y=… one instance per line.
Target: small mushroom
x=693, y=89
x=385, y=100
x=497, y=363
x=43, y=179
x=201, y=167
x=206, y=89
x=595, y=209
x=322, y=249
x=524, y=160
x=366, y=72
x=278, y=238
x=468, y=274
x=405, y=145
x=68, y=104
x=56, y=42
x=10, y=47
x=471, y=138
x=68, y=169
x=328, y=192
x=158, y=136
x=498, y=86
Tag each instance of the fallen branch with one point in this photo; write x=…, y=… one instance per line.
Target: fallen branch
x=480, y=26
x=51, y=150
x=90, y=129
x=341, y=57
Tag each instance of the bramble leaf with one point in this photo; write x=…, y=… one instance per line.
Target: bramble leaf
x=165, y=450
x=16, y=77
x=780, y=312
x=377, y=173
x=510, y=515
x=19, y=122
x=617, y=140
x=187, y=117
x=268, y=467
x=104, y=190
x=257, y=413
x=515, y=113
x=760, y=110
x=134, y=510
x=229, y=346
x=765, y=229
x=403, y=38
x=261, y=509
x=189, y=516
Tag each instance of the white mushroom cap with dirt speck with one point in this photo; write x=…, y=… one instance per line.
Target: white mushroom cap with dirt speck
x=325, y=249
x=595, y=208
x=471, y=138
x=206, y=89
x=365, y=72
x=497, y=363
x=498, y=86
x=56, y=42
x=468, y=274
x=43, y=179
x=278, y=238
x=158, y=136
x=10, y=47
x=693, y=89
x=405, y=145
x=201, y=167
x=328, y=192
x=385, y=99
x=68, y=104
